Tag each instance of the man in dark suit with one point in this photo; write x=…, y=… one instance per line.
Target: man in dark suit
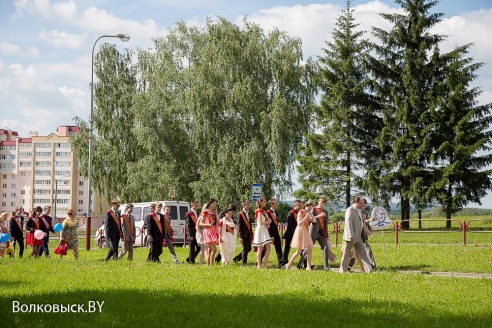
x=168, y=231
x=46, y=225
x=318, y=232
x=273, y=232
x=16, y=229
x=291, y=227
x=191, y=217
x=112, y=229
x=154, y=224
x=245, y=233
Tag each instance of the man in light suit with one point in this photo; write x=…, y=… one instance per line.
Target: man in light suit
x=352, y=235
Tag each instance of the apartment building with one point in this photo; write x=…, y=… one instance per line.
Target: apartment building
x=41, y=170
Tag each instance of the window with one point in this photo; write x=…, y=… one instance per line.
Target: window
x=63, y=182
x=4, y=176
x=41, y=201
x=12, y=204
x=4, y=204
x=23, y=192
x=43, y=163
x=62, y=145
x=24, y=164
x=25, y=154
x=81, y=183
x=7, y=148
x=63, y=173
x=81, y=192
x=25, y=145
x=137, y=213
x=63, y=154
x=81, y=202
x=41, y=173
x=62, y=192
x=7, y=166
x=41, y=192
x=14, y=186
x=43, y=154
x=4, y=194
x=57, y=163
x=42, y=182
x=80, y=210
x=42, y=145
x=4, y=185
x=13, y=194
x=23, y=173
x=63, y=201
x=23, y=201
x=7, y=156
x=14, y=176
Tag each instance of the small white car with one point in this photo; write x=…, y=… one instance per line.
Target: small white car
x=141, y=210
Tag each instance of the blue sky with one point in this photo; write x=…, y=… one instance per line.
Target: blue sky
x=45, y=45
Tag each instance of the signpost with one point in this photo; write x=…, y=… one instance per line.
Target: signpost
x=381, y=221
x=256, y=191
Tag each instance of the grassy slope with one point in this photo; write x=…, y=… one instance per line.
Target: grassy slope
x=140, y=294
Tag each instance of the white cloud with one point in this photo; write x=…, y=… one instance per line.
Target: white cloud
x=59, y=10
x=314, y=23
x=62, y=39
x=10, y=49
x=103, y=22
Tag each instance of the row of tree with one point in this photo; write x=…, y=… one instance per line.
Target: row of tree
x=398, y=118
x=211, y=110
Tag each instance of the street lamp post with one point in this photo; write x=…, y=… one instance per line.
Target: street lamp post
x=56, y=194
x=124, y=38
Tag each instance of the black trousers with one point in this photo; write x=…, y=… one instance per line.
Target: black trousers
x=113, y=249
x=278, y=250
x=243, y=256
x=285, y=256
x=194, y=251
x=155, y=251
x=21, y=245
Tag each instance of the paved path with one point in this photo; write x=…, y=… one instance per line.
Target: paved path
x=435, y=273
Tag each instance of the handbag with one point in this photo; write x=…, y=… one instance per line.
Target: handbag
x=62, y=248
x=9, y=251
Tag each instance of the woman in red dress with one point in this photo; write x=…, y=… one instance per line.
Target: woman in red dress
x=209, y=221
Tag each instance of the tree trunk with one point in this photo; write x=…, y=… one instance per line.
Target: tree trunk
x=348, y=196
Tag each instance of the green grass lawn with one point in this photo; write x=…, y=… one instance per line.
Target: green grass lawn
x=140, y=294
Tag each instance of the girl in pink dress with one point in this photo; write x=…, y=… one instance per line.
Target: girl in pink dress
x=302, y=239
x=209, y=221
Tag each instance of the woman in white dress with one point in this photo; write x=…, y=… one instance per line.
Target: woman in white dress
x=262, y=239
x=227, y=236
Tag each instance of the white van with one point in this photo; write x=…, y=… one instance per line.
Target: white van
x=141, y=210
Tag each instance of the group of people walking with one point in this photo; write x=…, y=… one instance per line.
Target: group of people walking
x=208, y=230
x=38, y=220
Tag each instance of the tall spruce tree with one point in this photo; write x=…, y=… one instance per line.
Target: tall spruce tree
x=405, y=72
x=346, y=121
x=461, y=135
